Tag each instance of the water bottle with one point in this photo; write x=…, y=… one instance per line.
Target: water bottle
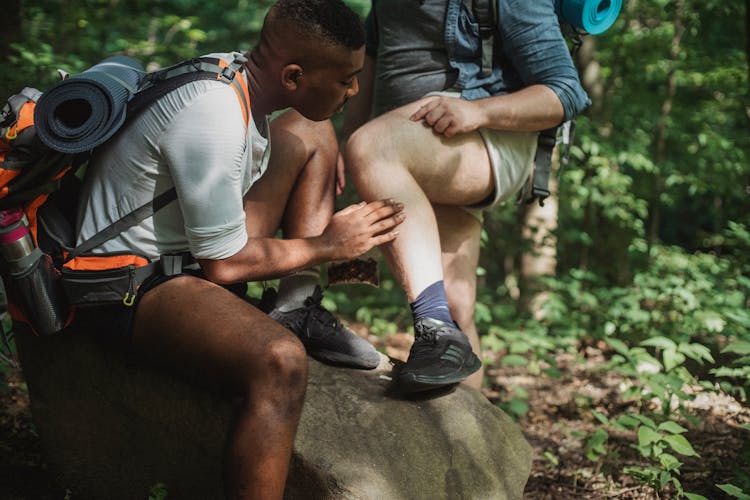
x=16, y=244
x=32, y=281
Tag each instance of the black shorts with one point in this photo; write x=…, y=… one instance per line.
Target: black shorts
x=115, y=321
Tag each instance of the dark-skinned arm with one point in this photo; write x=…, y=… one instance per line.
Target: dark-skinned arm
x=350, y=233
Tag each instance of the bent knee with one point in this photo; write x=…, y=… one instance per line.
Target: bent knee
x=360, y=152
x=317, y=136
x=285, y=364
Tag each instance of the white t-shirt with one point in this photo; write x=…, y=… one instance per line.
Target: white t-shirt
x=194, y=139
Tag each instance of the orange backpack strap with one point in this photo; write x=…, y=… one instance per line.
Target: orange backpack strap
x=239, y=84
x=161, y=82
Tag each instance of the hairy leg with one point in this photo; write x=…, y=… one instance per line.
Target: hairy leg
x=196, y=327
x=460, y=242
x=297, y=191
x=393, y=157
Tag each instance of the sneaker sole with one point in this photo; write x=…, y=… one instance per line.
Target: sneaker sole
x=339, y=359
x=411, y=382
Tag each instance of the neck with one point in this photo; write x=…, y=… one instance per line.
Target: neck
x=263, y=97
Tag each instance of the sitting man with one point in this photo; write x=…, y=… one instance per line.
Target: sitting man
x=233, y=193
x=452, y=136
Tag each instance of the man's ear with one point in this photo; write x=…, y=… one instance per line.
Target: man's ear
x=290, y=76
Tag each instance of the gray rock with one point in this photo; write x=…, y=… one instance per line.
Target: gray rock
x=114, y=429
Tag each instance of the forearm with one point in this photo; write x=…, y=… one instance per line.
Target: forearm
x=268, y=258
x=533, y=108
x=351, y=232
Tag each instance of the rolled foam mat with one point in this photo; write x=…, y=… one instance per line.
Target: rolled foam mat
x=592, y=16
x=83, y=111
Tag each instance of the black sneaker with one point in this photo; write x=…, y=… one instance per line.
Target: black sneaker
x=441, y=355
x=323, y=336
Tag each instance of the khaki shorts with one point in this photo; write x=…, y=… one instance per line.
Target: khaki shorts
x=512, y=156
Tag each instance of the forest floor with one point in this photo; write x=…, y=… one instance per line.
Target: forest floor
x=559, y=414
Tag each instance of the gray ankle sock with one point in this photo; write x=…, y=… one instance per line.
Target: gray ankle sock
x=294, y=289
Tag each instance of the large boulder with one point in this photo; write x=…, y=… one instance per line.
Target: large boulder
x=114, y=429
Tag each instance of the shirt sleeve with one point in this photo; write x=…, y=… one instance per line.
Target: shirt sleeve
x=536, y=48
x=204, y=148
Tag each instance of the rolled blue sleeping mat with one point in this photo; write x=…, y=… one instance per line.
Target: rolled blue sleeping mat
x=592, y=16
x=83, y=111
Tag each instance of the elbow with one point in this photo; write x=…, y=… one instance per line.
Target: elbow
x=221, y=272
x=572, y=97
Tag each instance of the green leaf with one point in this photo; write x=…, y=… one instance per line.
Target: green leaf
x=660, y=342
x=734, y=491
x=619, y=346
x=627, y=422
x=681, y=445
x=600, y=417
x=738, y=347
x=514, y=360
x=518, y=407
x=595, y=444
x=645, y=420
x=694, y=496
x=672, y=359
x=669, y=462
x=647, y=436
x=671, y=427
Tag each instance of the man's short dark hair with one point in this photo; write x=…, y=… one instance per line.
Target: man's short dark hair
x=330, y=20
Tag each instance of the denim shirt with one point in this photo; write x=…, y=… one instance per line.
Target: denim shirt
x=533, y=52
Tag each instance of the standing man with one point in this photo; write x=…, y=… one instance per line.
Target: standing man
x=233, y=193
x=455, y=132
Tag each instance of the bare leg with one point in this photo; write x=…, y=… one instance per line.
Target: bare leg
x=460, y=242
x=193, y=325
x=297, y=193
x=393, y=157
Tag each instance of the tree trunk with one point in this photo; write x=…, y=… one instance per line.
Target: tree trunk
x=539, y=226
x=590, y=71
x=660, y=132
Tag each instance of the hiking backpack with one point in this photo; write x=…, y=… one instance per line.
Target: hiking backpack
x=46, y=276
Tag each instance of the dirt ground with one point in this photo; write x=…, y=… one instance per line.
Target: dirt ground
x=559, y=413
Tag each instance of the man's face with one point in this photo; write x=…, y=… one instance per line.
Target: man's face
x=325, y=88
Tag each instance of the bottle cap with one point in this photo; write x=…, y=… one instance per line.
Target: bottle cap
x=10, y=216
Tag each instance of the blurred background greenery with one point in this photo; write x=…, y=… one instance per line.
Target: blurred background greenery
x=647, y=234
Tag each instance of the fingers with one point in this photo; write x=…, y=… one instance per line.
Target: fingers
x=384, y=238
x=351, y=208
x=385, y=225
x=423, y=110
x=380, y=209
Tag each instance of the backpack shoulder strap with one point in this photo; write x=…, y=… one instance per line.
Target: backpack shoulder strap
x=159, y=83
x=125, y=222
x=485, y=13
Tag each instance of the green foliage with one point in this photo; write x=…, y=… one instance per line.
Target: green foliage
x=653, y=242
x=159, y=491
x=733, y=491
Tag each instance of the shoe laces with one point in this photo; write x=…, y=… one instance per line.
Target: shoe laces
x=317, y=312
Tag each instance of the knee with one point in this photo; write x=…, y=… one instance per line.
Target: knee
x=359, y=153
x=281, y=377
x=321, y=137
